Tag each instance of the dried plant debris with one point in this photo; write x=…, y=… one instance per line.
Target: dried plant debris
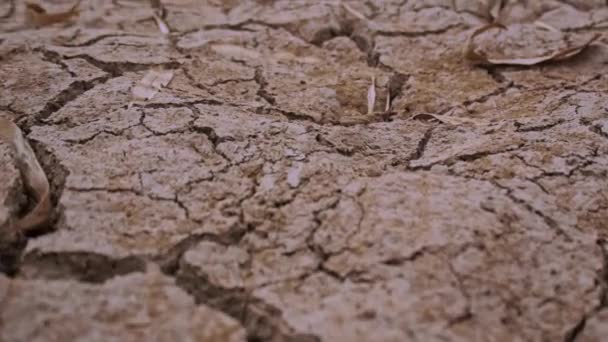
x=37, y=16
x=151, y=83
x=371, y=96
x=552, y=46
x=33, y=175
x=162, y=26
x=159, y=15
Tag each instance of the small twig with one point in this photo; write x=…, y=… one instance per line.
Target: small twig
x=371, y=96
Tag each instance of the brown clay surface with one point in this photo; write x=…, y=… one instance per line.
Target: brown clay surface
x=276, y=208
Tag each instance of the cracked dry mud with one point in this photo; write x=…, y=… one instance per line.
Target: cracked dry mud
x=254, y=199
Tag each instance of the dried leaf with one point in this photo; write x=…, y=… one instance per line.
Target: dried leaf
x=37, y=16
x=33, y=175
x=476, y=57
x=371, y=96
x=162, y=26
x=151, y=83
x=469, y=50
x=451, y=120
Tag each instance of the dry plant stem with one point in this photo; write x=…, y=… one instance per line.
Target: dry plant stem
x=162, y=26
x=371, y=96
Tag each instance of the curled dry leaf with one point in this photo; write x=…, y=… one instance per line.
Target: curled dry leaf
x=151, y=83
x=371, y=96
x=37, y=16
x=33, y=175
x=470, y=53
x=478, y=57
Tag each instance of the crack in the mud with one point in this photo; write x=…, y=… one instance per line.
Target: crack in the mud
x=549, y=221
x=422, y=143
x=538, y=128
x=82, y=266
x=71, y=93
x=116, y=69
x=262, y=321
x=262, y=83
x=413, y=34
x=579, y=327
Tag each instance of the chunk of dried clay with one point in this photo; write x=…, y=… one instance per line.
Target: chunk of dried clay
x=33, y=175
x=37, y=16
x=151, y=83
x=472, y=53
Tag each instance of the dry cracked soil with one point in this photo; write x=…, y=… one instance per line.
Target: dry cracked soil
x=255, y=199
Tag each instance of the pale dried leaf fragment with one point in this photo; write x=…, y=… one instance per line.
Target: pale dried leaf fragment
x=37, y=16
x=387, y=107
x=162, y=26
x=151, y=83
x=371, y=96
x=477, y=57
x=33, y=175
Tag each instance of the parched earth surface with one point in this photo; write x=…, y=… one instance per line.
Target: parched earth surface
x=254, y=198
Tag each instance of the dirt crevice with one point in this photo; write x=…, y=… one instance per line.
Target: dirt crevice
x=82, y=266
x=261, y=321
